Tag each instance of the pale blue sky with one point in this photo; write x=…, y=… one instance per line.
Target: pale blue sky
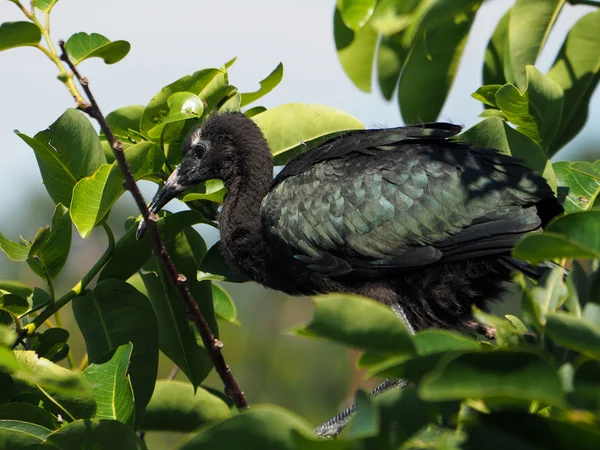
x=187, y=35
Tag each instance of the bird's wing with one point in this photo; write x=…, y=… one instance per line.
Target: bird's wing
x=403, y=205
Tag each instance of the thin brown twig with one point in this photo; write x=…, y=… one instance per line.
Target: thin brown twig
x=211, y=343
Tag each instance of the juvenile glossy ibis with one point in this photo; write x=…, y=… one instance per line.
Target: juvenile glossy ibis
x=409, y=216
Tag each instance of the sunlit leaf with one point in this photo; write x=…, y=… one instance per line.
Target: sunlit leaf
x=583, y=189
x=266, y=86
x=493, y=66
x=82, y=46
x=18, y=34
x=94, y=433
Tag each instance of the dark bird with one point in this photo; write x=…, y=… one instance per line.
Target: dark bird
x=409, y=216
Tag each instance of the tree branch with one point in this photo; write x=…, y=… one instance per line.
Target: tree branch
x=211, y=343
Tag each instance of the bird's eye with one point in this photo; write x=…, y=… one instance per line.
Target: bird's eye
x=199, y=150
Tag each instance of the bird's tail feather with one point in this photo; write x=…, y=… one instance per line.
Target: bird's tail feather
x=531, y=270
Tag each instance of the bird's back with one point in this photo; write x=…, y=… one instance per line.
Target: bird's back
x=392, y=200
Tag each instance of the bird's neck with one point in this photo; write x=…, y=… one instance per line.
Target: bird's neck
x=240, y=222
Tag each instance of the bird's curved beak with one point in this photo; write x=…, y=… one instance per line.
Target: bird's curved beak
x=171, y=189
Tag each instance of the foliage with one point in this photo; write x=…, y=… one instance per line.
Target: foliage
x=537, y=386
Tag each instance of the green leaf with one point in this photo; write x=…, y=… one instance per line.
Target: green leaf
x=94, y=196
x=529, y=26
x=393, y=17
x=493, y=65
x=575, y=334
x=586, y=384
x=356, y=51
x=50, y=249
x=266, y=86
x=66, y=390
x=197, y=83
x=254, y=111
x=547, y=295
x=515, y=377
x=519, y=430
x=16, y=287
x=19, y=34
x=391, y=55
x=131, y=254
x=583, y=189
x=260, y=428
x=365, y=422
x=430, y=69
x=66, y=152
x=429, y=342
x=94, y=434
x=115, y=314
x=16, y=434
x=545, y=105
x=179, y=338
x=51, y=344
x=213, y=265
x=224, y=307
x=125, y=125
x=487, y=94
x=175, y=407
x=82, y=46
x=571, y=236
x=14, y=304
x=211, y=190
x=356, y=13
x=289, y=126
x=45, y=5
x=182, y=106
x=28, y=413
x=577, y=70
x=17, y=251
x=493, y=132
x=579, y=287
x=111, y=385
x=358, y=322
x=515, y=106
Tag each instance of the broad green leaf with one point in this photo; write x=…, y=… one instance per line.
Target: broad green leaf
x=66, y=152
x=213, y=265
x=51, y=344
x=50, y=249
x=131, y=254
x=358, y=322
x=16, y=287
x=28, y=413
x=493, y=132
x=547, y=295
x=19, y=34
x=391, y=55
x=583, y=190
x=429, y=342
x=211, y=190
x=514, y=376
x=175, y=407
x=94, y=434
x=82, y=46
x=17, y=434
x=292, y=125
x=519, y=430
x=254, y=111
x=529, y=26
x=575, y=334
x=38, y=300
x=45, y=5
x=356, y=51
x=493, y=65
x=125, y=125
x=356, y=13
x=158, y=107
x=262, y=427
x=224, y=307
x=429, y=71
x=94, y=196
x=515, y=106
x=392, y=17
x=114, y=314
x=65, y=390
x=111, y=386
x=365, y=421
x=487, y=94
x=545, y=105
x=14, y=304
x=571, y=236
x=179, y=338
x=266, y=86
x=17, y=251
x=576, y=70
x=182, y=106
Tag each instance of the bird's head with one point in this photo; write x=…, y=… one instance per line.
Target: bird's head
x=211, y=151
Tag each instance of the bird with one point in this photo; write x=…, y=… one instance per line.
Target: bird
x=413, y=217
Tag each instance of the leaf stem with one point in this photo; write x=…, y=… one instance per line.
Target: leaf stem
x=79, y=288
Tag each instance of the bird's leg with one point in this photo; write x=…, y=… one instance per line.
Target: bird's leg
x=335, y=425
